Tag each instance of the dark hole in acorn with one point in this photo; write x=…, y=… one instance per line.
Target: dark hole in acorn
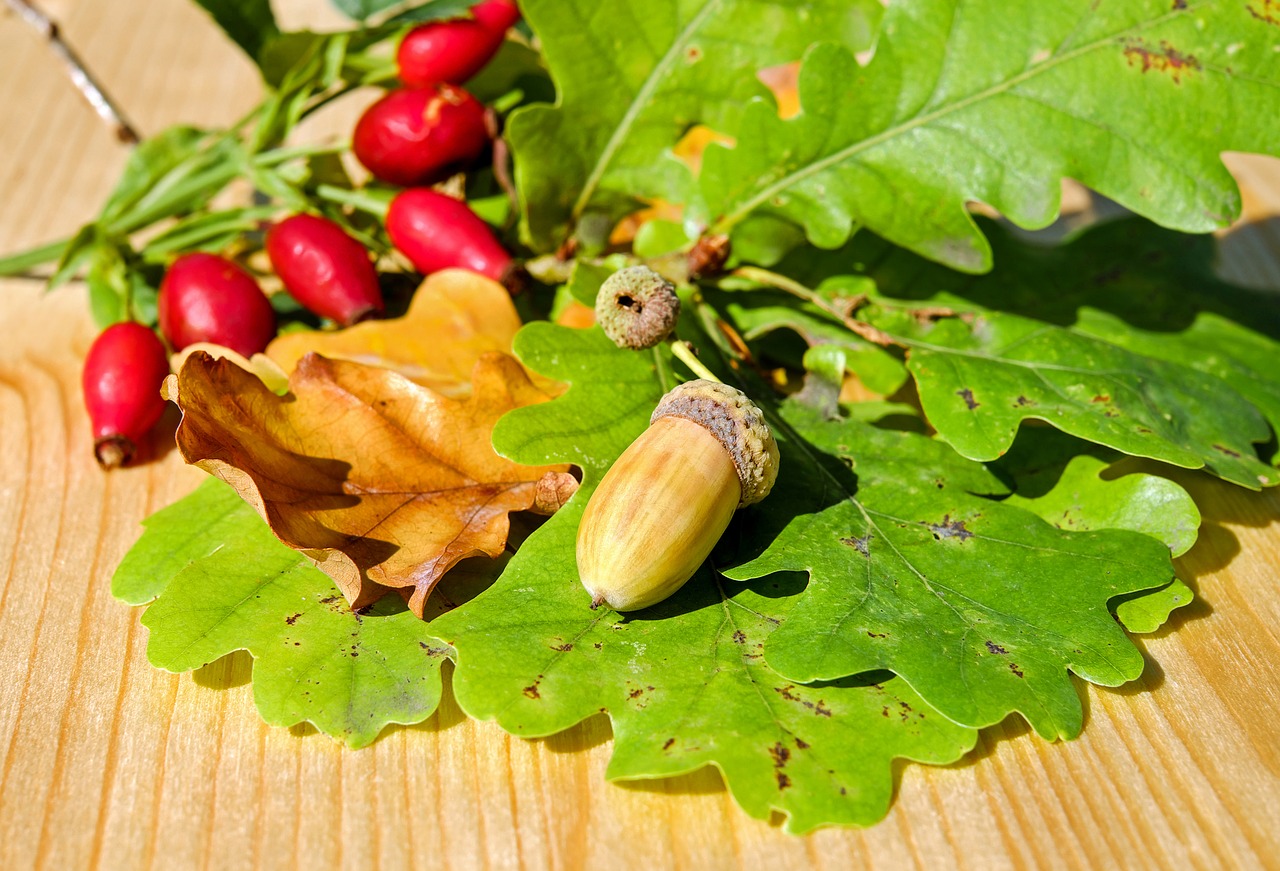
x=629, y=302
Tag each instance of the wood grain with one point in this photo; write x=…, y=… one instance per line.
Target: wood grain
x=106, y=762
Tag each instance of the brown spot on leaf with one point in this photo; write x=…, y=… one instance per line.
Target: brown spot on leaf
x=1226, y=450
x=1179, y=4
x=877, y=634
x=532, y=689
x=863, y=544
x=668, y=743
x=1109, y=276
x=293, y=619
x=1013, y=667
x=1101, y=397
x=1265, y=10
x=995, y=648
x=949, y=528
x=1165, y=59
x=739, y=637
x=802, y=744
x=819, y=708
x=562, y=648
x=597, y=645
x=967, y=395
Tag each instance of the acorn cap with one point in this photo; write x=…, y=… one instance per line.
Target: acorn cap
x=737, y=423
x=637, y=307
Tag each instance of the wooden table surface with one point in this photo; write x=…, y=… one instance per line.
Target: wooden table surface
x=107, y=762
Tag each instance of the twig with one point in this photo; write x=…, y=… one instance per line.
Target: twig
x=795, y=288
x=80, y=76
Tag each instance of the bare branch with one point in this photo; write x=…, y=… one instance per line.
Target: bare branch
x=80, y=76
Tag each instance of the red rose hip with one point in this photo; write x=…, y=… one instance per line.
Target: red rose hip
x=449, y=51
x=411, y=138
x=206, y=298
x=324, y=269
x=121, y=380
x=499, y=15
x=438, y=232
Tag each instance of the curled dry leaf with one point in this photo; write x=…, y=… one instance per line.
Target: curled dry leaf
x=384, y=483
x=259, y=364
x=456, y=317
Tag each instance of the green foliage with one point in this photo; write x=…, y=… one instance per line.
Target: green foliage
x=249, y=23
x=958, y=105
x=899, y=589
x=981, y=606
x=222, y=582
x=979, y=381
x=683, y=682
x=189, y=530
x=315, y=659
x=632, y=78
x=1134, y=307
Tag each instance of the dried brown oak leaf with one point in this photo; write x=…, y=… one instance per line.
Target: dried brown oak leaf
x=384, y=483
x=454, y=318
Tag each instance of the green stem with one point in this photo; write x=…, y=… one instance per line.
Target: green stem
x=796, y=289
x=16, y=264
x=684, y=353
x=280, y=155
x=374, y=205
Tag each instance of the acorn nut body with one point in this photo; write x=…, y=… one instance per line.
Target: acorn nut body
x=663, y=505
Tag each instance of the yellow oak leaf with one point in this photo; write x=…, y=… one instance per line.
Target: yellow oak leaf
x=456, y=316
x=386, y=484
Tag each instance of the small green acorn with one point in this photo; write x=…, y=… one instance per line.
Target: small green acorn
x=663, y=505
x=637, y=308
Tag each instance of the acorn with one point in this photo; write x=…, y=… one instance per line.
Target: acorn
x=637, y=308
x=666, y=501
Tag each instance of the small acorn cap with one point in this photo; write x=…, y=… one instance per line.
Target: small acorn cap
x=737, y=423
x=637, y=308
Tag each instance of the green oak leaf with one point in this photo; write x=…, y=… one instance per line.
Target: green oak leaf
x=315, y=659
x=1128, y=282
x=1122, y=337
x=225, y=583
x=981, y=606
x=1060, y=479
x=1146, y=612
x=1082, y=500
x=185, y=532
x=632, y=78
x=974, y=100
x=979, y=381
x=684, y=682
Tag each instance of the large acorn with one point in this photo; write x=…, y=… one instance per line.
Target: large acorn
x=664, y=504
